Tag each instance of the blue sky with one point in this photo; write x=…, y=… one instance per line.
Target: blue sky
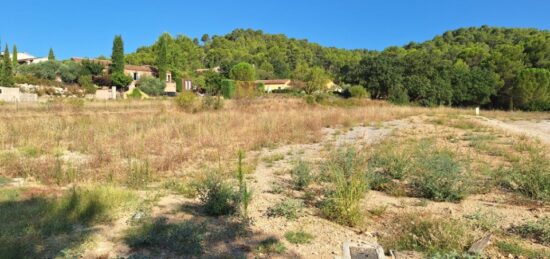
x=86, y=28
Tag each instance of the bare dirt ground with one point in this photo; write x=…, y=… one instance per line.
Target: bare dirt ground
x=533, y=128
x=328, y=236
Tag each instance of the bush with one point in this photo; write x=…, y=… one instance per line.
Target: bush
x=531, y=176
x=358, y=91
x=228, y=88
x=428, y=234
x=344, y=170
x=218, y=197
x=139, y=175
x=87, y=84
x=44, y=70
x=437, y=176
x=537, y=230
x=290, y=209
x=301, y=175
x=151, y=86
x=243, y=72
x=187, y=101
x=92, y=68
x=103, y=80
x=120, y=80
x=183, y=238
x=70, y=71
x=298, y=237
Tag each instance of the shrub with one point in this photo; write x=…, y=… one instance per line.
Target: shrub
x=32, y=80
x=344, y=170
x=70, y=71
x=428, y=234
x=301, y=175
x=183, y=238
x=298, y=237
x=519, y=250
x=290, y=209
x=245, y=194
x=218, y=197
x=120, y=80
x=92, y=68
x=228, y=88
x=44, y=70
x=437, y=176
x=87, y=84
x=531, y=176
x=103, y=80
x=271, y=245
x=389, y=161
x=537, y=230
x=151, y=86
x=243, y=72
x=358, y=91
x=187, y=101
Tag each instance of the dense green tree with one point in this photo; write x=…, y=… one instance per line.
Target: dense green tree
x=212, y=82
x=205, y=38
x=14, y=56
x=243, y=72
x=92, y=67
x=117, y=56
x=51, y=55
x=151, y=86
x=120, y=80
x=162, y=56
x=533, y=89
x=7, y=69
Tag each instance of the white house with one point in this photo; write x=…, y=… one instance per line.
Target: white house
x=26, y=58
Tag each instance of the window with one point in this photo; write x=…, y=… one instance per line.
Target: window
x=0, y=91
x=136, y=76
x=168, y=78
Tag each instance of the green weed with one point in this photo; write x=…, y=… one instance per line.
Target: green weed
x=298, y=237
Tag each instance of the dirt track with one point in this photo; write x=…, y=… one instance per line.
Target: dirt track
x=537, y=129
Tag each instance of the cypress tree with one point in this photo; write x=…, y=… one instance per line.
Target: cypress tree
x=117, y=56
x=162, y=58
x=14, y=55
x=7, y=71
x=51, y=55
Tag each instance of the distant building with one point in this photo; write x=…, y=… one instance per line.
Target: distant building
x=214, y=69
x=26, y=58
x=137, y=72
x=275, y=84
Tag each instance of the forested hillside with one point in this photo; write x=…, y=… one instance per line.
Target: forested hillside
x=491, y=67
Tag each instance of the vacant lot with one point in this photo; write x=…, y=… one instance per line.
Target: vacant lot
x=272, y=177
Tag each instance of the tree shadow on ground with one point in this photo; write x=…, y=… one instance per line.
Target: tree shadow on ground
x=201, y=236
x=31, y=228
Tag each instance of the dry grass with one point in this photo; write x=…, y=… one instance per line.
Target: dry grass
x=100, y=140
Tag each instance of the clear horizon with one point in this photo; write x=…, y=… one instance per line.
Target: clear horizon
x=86, y=29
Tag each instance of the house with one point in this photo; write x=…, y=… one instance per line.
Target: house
x=26, y=58
x=275, y=84
x=137, y=72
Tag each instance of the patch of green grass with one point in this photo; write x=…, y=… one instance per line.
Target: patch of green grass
x=301, y=175
x=428, y=234
x=516, y=249
x=344, y=169
x=298, y=237
x=9, y=194
x=185, y=238
x=438, y=176
x=529, y=176
x=271, y=246
x=41, y=227
x=379, y=210
x=30, y=151
x=188, y=190
x=290, y=209
x=485, y=220
x=538, y=230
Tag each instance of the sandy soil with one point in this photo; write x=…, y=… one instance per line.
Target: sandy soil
x=539, y=129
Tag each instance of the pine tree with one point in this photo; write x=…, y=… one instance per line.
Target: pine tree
x=117, y=56
x=7, y=71
x=162, y=58
x=14, y=55
x=51, y=55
